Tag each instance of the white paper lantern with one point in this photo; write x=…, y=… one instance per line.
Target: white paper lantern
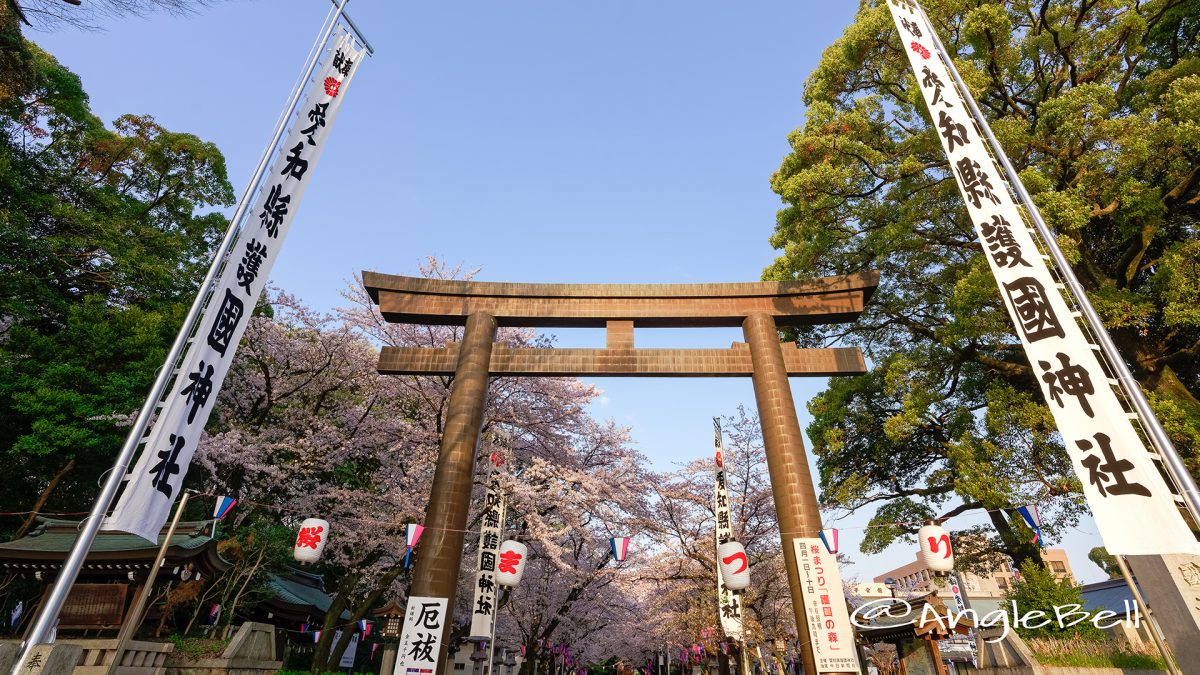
x=510, y=563
x=735, y=566
x=310, y=541
x=936, y=551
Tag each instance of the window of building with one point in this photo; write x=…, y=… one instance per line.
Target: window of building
x=1058, y=566
x=460, y=666
x=1002, y=583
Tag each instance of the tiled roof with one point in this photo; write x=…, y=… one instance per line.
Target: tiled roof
x=57, y=536
x=1111, y=595
x=294, y=593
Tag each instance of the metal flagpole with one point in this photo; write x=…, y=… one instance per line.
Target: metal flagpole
x=48, y=613
x=1154, y=430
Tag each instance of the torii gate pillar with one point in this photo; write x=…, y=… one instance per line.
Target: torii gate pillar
x=791, y=482
x=446, y=516
x=758, y=307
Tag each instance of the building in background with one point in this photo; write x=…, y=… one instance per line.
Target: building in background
x=915, y=578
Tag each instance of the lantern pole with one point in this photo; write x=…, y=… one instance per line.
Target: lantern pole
x=134, y=618
x=492, y=640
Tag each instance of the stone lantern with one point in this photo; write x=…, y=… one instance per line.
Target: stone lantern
x=393, y=619
x=392, y=615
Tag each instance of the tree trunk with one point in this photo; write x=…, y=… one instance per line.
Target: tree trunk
x=204, y=597
x=1020, y=551
x=247, y=577
x=41, y=500
x=324, y=646
x=331, y=619
x=722, y=661
x=529, y=660
x=166, y=614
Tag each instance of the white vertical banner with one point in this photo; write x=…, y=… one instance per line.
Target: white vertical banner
x=1124, y=488
x=829, y=628
x=728, y=603
x=491, y=525
x=154, y=482
x=347, y=660
x=421, y=637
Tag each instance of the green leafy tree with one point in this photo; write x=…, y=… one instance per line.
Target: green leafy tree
x=1105, y=561
x=103, y=245
x=1098, y=105
x=1039, y=591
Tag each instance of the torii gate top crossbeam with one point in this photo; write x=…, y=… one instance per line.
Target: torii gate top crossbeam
x=620, y=308
x=791, y=303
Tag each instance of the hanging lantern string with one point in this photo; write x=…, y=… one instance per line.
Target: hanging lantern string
x=370, y=521
x=276, y=507
x=794, y=534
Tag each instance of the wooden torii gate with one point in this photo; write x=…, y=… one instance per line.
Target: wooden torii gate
x=759, y=308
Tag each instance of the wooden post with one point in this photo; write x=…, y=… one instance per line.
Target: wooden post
x=436, y=573
x=134, y=618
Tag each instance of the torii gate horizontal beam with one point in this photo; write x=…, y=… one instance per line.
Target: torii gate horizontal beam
x=790, y=303
x=568, y=362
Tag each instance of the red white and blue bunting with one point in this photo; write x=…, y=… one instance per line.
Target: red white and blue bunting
x=620, y=548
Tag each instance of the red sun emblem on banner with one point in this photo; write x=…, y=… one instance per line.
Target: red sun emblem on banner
x=332, y=85
x=720, y=460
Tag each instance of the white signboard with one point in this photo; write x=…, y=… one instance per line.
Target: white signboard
x=483, y=609
x=829, y=627
x=1123, y=487
x=421, y=638
x=729, y=603
x=154, y=482
x=347, y=660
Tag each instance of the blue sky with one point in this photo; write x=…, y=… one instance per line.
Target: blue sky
x=601, y=142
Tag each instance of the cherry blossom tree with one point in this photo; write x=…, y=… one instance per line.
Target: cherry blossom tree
x=307, y=427
x=683, y=573
x=568, y=498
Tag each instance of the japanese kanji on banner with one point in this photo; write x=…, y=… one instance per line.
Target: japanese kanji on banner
x=1123, y=487
x=421, y=637
x=153, y=483
x=729, y=603
x=483, y=609
x=829, y=626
